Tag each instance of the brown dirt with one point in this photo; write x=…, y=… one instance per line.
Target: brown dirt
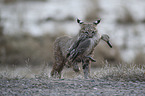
x=69, y=87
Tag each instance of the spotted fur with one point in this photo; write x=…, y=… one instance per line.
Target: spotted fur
x=87, y=39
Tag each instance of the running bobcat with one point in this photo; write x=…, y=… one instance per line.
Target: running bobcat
x=73, y=50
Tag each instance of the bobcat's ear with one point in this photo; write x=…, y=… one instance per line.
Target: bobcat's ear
x=79, y=21
x=97, y=22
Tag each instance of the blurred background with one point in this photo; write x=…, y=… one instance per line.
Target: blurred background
x=28, y=29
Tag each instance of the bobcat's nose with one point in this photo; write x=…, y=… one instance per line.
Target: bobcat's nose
x=90, y=35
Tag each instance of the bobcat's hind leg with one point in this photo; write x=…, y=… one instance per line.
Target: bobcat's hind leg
x=58, y=63
x=57, y=68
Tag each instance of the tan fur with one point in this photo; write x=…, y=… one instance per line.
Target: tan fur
x=63, y=44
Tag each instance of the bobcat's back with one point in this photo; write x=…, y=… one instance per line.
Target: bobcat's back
x=63, y=44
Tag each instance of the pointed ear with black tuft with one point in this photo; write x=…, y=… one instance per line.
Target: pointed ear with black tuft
x=97, y=22
x=79, y=21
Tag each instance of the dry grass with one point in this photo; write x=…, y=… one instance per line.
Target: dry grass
x=26, y=71
x=123, y=72
x=23, y=52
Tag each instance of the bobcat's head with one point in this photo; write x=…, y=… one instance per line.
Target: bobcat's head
x=88, y=29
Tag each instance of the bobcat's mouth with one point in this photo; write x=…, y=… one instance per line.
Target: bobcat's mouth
x=90, y=36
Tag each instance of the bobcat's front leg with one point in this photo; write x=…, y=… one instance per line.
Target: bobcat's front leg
x=86, y=69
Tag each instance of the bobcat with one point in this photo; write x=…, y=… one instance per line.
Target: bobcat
x=77, y=49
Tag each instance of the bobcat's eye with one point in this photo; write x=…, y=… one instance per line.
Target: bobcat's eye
x=86, y=32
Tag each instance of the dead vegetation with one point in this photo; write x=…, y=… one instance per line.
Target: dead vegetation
x=19, y=48
x=16, y=49
x=125, y=17
x=123, y=72
x=24, y=52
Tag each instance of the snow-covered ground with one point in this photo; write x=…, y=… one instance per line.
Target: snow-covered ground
x=41, y=17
